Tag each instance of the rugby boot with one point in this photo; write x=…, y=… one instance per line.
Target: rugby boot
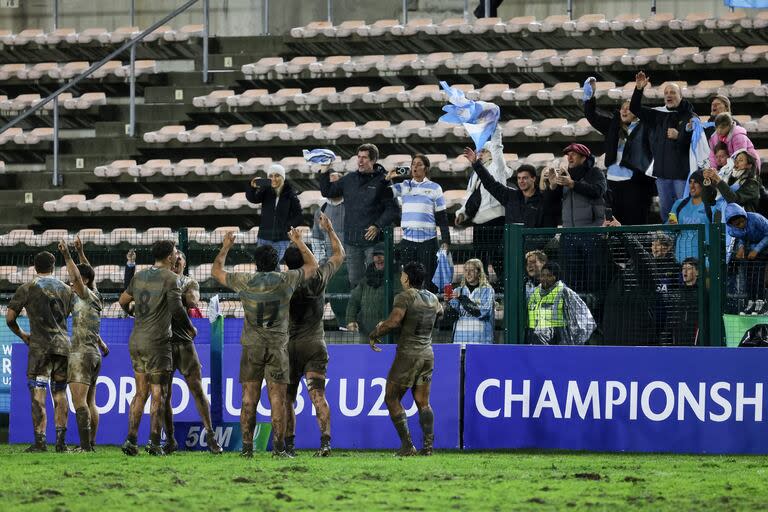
x=406, y=451
x=247, y=450
x=426, y=450
x=325, y=447
x=170, y=446
x=130, y=448
x=213, y=445
x=38, y=446
x=281, y=455
x=290, y=445
x=154, y=449
x=84, y=430
x=61, y=445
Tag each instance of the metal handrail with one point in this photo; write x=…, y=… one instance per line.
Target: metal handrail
x=131, y=43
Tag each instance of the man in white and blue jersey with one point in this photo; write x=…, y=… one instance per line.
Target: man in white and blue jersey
x=423, y=210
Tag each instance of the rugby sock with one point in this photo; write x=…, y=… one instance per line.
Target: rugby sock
x=40, y=439
x=325, y=440
x=427, y=421
x=290, y=442
x=84, y=427
x=61, y=434
x=154, y=438
x=278, y=446
x=401, y=425
x=133, y=439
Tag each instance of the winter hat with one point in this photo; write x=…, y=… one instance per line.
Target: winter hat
x=276, y=169
x=697, y=177
x=577, y=148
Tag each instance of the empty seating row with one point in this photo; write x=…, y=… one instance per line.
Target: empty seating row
x=66, y=100
x=495, y=60
x=101, y=35
x=19, y=136
x=58, y=71
x=584, y=23
x=488, y=92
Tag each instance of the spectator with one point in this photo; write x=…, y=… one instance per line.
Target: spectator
x=474, y=302
x=423, y=211
x=750, y=233
x=534, y=262
x=482, y=211
x=718, y=105
x=580, y=190
x=684, y=314
x=734, y=137
x=556, y=314
x=368, y=303
x=493, y=5
x=670, y=140
x=738, y=186
x=367, y=209
x=690, y=210
x=334, y=210
x=280, y=208
x=523, y=205
x=627, y=158
x=721, y=155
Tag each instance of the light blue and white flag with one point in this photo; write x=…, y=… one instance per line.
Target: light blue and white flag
x=319, y=156
x=444, y=270
x=698, y=155
x=747, y=4
x=478, y=117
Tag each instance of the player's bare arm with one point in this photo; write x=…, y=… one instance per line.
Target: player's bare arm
x=74, y=274
x=310, y=263
x=81, y=258
x=392, y=322
x=338, y=254
x=126, y=302
x=178, y=313
x=217, y=270
x=13, y=325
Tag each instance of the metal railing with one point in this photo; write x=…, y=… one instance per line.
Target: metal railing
x=130, y=44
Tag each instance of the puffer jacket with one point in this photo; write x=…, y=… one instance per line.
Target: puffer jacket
x=735, y=140
x=277, y=217
x=637, y=148
x=584, y=204
x=754, y=237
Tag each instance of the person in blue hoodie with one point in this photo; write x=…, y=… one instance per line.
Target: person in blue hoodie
x=750, y=234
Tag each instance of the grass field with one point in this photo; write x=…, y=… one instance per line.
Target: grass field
x=107, y=480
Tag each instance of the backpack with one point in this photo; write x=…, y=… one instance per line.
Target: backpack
x=685, y=201
x=757, y=336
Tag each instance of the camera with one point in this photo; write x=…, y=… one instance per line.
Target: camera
x=403, y=170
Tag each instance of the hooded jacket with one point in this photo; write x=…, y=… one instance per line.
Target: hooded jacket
x=584, y=204
x=754, y=237
x=735, y=140
x=637, y=147
x=277, y=216
x=367, y=202
x=670, y=156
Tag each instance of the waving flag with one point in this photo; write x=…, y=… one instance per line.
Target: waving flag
x=698, y=155
x=478, y=117
x=319, y=156
x=444, y=270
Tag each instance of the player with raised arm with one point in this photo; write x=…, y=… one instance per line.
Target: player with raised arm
x=48, y=302
x=157, y=299
x=307, y=352
x=266, y=297
x=414, y=311
x=185, y=358
x=87, y=345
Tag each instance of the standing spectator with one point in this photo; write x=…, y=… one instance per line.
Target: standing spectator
x=474, y=301
x=684, y=313
x=367, y=209
x=581, y=190
x=718, y=105
x=690, y=210
x=750, y=232
x=534, y=262
x=734, y=137
x=627, y=158
x=334, y=210
x=483, y=211
x=740, y=186
x=368, y=303
x=280, y=208
x=423, y=211
x=670, y=141
x=556, y=314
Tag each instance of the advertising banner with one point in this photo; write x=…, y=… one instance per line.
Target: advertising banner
x=354, y=388
x=643, y=399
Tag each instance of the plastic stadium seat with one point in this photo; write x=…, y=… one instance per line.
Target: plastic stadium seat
x=57, y=36
x=714, y=55
x=489, y=92
x=460, y=164
x=585, y=23
x=536, y=58
x=131, y=203
x=64, y=203
x=265, y=132
x=482, y=26
x=108, y=273
x=85, y=101
x=218, y=166
x=231, y=133
x=297, y=163
x=184, y=33
x=199, y=202
x=6, y=37
x=448, y=26
x=164, y=134
x=743, y=87
x=8, y=273
x=523, y=92
x=369, y=130
x=437, y=130
x=310, y=198
x=166, y=202
x=69, y=70
x=315, y=96
x=107, y=69
x=704, y=89
x=63, y=99
x=348, y=95
x=119, y=235
x=644, y=56
x=618, y=23
x=21, y=102
x=404, y=129
x=572, y=57
x=364, y=63
x=88, y=35
x=436, y=159
x=34, y=136
x=454, y=197
x=246, y=99
x=234, y=202
x=759, y=21
x=345, y=29
x=578, y=129
x=515, y=126
x=505, y=58
x=8, y=71
x=214, y=99
x=26, y=36
x=254, y=165
x=158, y=33
x=36, y=72
x=463, y=61
x=334, y=130
x=119, y=35
x=549, y=24
x=678, y=55
x=9, y=134
x=397, y=62
x=378, y=28
x=141, y=67
x=217, y=235
x=114, y=169
x=262, y=66
x=690, y=22
x=197, y=134
x=281, y=97
x=725, y=20
x=19, y=236
x=560, y=91
x=654, y=22
x=329, y=65
x=418, y=93
x=294, y=66
x=411, y=28
x=546, y=128
x=384, y=94
x=51, y=236
x=311, y=29
x=514, y=25
x=98, y=203
x=299, y=132
x=432, y=60
x=749, y=54
x=184, y=167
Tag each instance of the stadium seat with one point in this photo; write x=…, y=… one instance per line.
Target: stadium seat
x=678, y=55
x=619, y=23
x=149, y=168
x=20, y=102
x=265, y=132
x=345, y=29
x=546, y=128
x=368, y=130
x=378, y=28
x=348, y=95
x=119, y=235
x=158, y=33
x=704, y=89
x=310, y=198
x=36, y=72
x=85, y=101
x=463, y=61
x=51, y=237
x=86, y=36
x=64, y=203
x=217, y=235
x=436, y=130
x=690, y=22
x=489, y=92
x=549, y=24
x=725, y=20
x=411, y=28
x=364, y=63
x=64, y=97
x=536, y=58
x=558, y=92
x=131, y=203
x=432, y=60
x=523, y=92
x=197, y=134
x=19, y=236
x=98, y=203
x=141, y=67
x=578, y=129
x=261, y=67
x=714, y=55
x=8, y=71
x=165, y=202
x=294, y=66
x=404, y=129
x=311, y=29
x=246, y=99
x=199, y=202
x=214, y=99
x=233, y=202
x=34, y=136
x=334, y=130
x=482, y=26
x=295, y=163
x=91, y=235
x=607, y=57
x=654, y=22
x=55, y=37
x=749, y=54
x=8, y=273
x=418, y=93
x=279, y=98
x=571, y=58
x=453, y=198
x=759, y=21
x=231, y=133
x=26, y=36
x=397, y=62
x=447, y=26
x=384, y=94
x=741, y=88
x=585, y=23
x=164, y=134
x=185, y=33
x=114, y=169
x=315, y=96
x=107, y=69
x=9, y=134
x=515, y=127
x=119, y=35
x=329, y=65
x=218, y=166
x=642, y=57
x=254, y=165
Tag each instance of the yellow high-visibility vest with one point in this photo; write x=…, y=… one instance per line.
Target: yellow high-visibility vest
x=546, y=312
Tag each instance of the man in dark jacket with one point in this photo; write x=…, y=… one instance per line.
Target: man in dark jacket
x=670, y=141
x=367, y=210
x=280, y=208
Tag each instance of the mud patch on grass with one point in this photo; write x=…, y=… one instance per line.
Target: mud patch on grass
x=283, y=496
x=536, y=500
x=588, y=476
x=243, y=480
x=633, y=479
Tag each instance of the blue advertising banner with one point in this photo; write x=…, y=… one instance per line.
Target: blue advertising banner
x=355, y=391
x=644, y=399
x=7, y=340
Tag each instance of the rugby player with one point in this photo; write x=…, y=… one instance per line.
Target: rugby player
x=48, y=302
x=307, y=352
x=414, y=311
x=266, y=297
x=87, y=345
x=157, y=300
x=185, y=358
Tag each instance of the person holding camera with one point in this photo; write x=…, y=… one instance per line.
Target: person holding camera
x=280, y=208
x=423, y=211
